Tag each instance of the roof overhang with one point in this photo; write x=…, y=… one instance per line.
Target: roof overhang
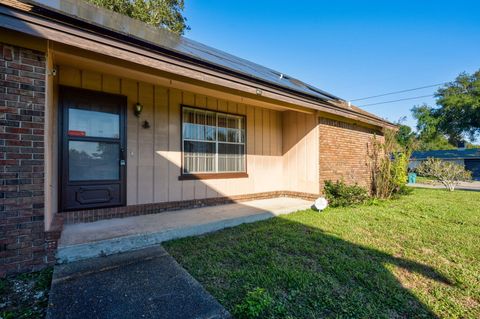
x=63, y=33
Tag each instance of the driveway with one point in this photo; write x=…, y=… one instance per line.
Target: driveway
x=146, y=283
x=468, y=186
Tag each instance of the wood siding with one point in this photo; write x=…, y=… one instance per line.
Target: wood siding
x=301, y=149
x=154, y=154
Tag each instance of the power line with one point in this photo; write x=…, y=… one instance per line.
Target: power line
x=397, y=92
x=410, y=98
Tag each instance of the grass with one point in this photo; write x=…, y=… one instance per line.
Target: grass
x=426, y=180
x=415, y=257
x=26, y=295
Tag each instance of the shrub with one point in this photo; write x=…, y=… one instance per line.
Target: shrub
x=399, y=169
x=388, y=166
x=254, y=304
x=341, y=194
x=447, y=173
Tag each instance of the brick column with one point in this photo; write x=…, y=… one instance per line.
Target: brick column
x=23, y=244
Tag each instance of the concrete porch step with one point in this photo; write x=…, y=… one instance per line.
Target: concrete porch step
x=107, y=237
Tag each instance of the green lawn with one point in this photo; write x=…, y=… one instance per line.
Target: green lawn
x=418, y=256
x=426, y=180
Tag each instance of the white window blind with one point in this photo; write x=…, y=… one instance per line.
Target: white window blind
x=212, y=142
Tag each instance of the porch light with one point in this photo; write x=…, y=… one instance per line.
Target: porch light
x=138, y=109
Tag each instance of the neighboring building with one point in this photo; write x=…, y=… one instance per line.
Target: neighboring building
x=470, y=158
x=103, y=116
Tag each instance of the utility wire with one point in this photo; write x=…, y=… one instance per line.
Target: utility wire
x=410, y=98
x=397, y=92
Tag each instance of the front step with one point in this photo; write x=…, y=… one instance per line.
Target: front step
x=146, y=283
x=107, y=237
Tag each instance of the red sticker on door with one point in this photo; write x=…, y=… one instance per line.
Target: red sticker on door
x=76, y=133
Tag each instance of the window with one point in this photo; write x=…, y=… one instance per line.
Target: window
x=212, y=142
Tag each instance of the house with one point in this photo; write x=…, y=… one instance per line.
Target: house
x=470, y=158
x=104, y=116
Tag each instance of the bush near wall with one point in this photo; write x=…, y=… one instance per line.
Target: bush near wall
x=340, y=194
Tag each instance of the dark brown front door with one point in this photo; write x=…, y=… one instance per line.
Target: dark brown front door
x=92, y=149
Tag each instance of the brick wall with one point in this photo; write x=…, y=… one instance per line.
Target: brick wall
x=344, y=151
x=24, y=245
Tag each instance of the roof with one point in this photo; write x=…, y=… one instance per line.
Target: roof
x=447, y=154
x=82, y=14
x=179, y=44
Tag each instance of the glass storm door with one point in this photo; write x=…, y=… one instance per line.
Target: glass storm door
x=92, y=149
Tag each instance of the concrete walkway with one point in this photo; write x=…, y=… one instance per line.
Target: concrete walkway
x=146, y=283
x=106, y=237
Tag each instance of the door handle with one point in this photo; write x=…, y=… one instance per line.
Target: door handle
x=122, y=157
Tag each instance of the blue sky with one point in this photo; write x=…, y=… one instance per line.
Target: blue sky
x=352, y=49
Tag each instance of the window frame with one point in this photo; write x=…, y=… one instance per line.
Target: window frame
x=212, y=175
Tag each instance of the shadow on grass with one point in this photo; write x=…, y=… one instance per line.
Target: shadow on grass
x=306, y=272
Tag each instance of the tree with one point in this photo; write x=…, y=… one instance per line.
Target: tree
x=429, y=137
x=448, y=173
x=427, y=123
x=438, y=143
x=159, y=13
x=457, y=114
x=405, y=136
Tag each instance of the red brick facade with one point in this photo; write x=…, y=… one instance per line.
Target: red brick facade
x=24, y=245
x=344, y=151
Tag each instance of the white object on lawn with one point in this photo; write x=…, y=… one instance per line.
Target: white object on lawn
x=321, y=203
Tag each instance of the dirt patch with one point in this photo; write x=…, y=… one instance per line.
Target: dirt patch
x=25, y=296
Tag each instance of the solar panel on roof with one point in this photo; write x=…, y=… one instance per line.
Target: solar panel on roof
x=172, y=42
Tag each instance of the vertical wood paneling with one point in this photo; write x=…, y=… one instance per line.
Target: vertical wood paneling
x=279, y=133
x=266, y=132
x=174, y=157
x=273, y=134
x=259, y=176
x=250, y=111
x=222, y=106
x=280, y=145
x=232, y=107
x=212, y=103
x=188, y=186
x=145, y=146
x=91, y=80
x=311, y=140
x=241, y=109
x=250, y=130
x=244, y=185
x=129, y=88
x=161, y=180
x=258, y=133
x=70, y=76
x=110, y=84
x=301, y=151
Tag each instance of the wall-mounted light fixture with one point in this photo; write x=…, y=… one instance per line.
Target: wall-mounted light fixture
x=138, y=109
